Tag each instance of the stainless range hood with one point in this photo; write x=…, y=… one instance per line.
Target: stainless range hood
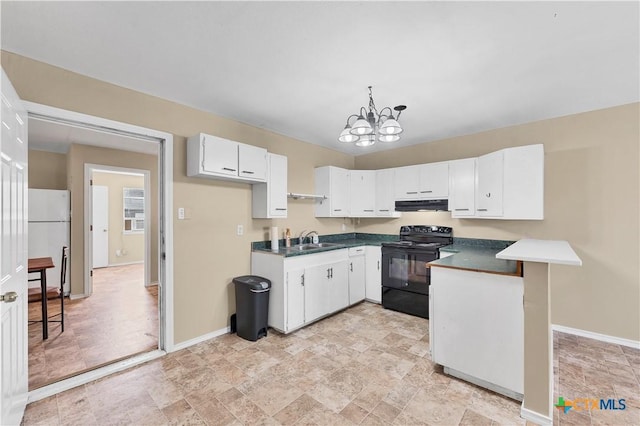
x=422, y=205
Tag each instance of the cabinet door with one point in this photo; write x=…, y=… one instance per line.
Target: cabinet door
x=462, y=185
x=316, y=292
x=407, y=183
x=277, y=185
x=219, y=156
x=339, y=192
x=338, y=286
x=373, y=274
x=434, y=181
x=385, y=200
x=362, y=189
x=295, y=299
x=252, y=162
x=489, y=191
x=357, y=278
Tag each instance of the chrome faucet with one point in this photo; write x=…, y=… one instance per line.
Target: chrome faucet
x=304, y=235
x=312, y=233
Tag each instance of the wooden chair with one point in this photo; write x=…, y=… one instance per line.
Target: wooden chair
x=35, y=294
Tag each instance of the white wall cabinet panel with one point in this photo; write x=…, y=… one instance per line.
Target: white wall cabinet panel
x=269, y=200
x=362, y=193
x=407, y=183
x=373, y=274
x=385, y=193
x=510, y=184
x=252, y=162
x=434, y=181
x=334, y=183
x=462, y=188
x=218, y=158
x=490, y=181
x=422, y=182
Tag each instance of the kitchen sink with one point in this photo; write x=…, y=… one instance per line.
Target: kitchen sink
x=303, y=247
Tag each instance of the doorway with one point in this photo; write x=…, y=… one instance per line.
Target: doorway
x=109, y=132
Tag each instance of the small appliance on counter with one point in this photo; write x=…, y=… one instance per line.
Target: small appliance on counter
x=405, y=275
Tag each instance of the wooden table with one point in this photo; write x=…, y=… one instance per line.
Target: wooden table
x=41, y=264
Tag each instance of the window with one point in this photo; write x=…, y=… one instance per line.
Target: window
x=133, y=208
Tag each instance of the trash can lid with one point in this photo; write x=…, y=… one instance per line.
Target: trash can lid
x=254, y=282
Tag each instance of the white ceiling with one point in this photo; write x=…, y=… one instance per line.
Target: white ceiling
x=300, y=68
x=46, y=135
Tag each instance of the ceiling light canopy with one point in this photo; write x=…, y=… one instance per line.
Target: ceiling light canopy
x=373, y=125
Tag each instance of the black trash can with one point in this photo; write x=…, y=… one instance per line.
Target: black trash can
x=252, y=306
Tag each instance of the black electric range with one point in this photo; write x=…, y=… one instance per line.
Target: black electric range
x=405, y=275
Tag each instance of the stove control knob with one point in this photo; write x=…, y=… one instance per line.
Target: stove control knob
x=434, y=228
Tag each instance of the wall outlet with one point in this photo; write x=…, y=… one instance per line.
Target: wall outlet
x=240, y=230
x=344, y=226
x=181, y=213
x=118, y=253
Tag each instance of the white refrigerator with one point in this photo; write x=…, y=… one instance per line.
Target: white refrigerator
x=49, y=230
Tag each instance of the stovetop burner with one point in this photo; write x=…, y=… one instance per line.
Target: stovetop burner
x=423, y=237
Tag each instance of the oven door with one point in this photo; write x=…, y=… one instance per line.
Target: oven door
x=406, y=269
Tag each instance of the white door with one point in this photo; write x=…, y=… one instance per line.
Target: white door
x=100, y=212
x=295, y=299
x=13, y=255
x=356, y=278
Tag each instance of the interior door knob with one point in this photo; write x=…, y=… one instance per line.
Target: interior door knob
x=9, y=297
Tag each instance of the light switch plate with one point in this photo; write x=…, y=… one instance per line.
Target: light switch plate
x=181, y=213
x=240, y=230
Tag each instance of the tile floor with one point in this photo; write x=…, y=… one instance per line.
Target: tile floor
x=120, y=319
x=365, y=365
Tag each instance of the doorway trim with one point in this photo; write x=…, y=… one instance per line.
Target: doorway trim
x=165, y=241
x=88, y=220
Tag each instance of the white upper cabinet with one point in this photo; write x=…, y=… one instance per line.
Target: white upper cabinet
x=270, y=198
x=332, y=182
x=510, y=184
x=252, y=162
x=218, y=158
x=422, y=182
x=362, y=193
x=490, y=185
x=384, y=194
x=462, y=187
x=434, y=181
x=407, y=183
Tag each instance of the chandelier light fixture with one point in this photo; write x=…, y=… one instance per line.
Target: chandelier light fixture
x=371, y=126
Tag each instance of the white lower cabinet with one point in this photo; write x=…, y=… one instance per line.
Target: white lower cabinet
x=357, y=274
x=476, y=328
x=373, y=274
x=303, y=288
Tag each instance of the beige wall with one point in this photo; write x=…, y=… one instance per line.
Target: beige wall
x=47, y=170
x=207, y=251
x=130, y=245
x=592, y=188
x=591, y=198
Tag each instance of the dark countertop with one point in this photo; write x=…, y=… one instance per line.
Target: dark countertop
x=479, y=256
x=352, y=239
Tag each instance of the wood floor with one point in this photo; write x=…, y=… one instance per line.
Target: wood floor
x=118, y=320
x=365, y=365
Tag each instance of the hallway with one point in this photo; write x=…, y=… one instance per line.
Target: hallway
x=120, y=319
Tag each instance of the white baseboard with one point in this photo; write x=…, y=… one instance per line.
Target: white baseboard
x=77, y=296
x=89, y=376
x=535, y=417
x=200, y=339
x=152, y=284
x=597, y=336
x=137, y=262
